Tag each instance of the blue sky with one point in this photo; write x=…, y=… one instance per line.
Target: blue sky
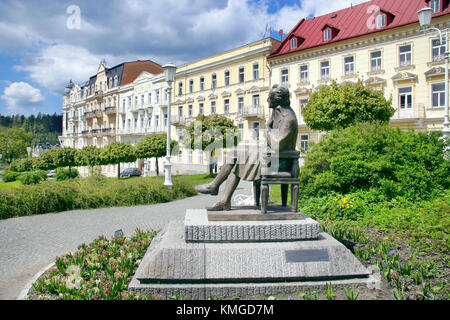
x=44, y=44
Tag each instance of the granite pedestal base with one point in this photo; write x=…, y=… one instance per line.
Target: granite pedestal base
x=203, y=269
x=198, y=226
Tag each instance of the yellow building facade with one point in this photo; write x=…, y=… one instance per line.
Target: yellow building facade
x=406, y=63
x=234, y=83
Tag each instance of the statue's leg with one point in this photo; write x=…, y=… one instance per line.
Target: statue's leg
x=213, y=187
x=257, y=192
x=264, y=198
x=225, y=203
x=294, y=197
x=284, y=194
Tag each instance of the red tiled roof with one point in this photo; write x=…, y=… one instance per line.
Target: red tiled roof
x=133, y=69
x=355, y=22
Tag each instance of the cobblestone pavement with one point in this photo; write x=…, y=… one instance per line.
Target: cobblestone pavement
x=29, y=244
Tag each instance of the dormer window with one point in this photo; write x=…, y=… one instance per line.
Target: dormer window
x=381, y=20
x=293, y=43
x=326, y=34
x=435, y=5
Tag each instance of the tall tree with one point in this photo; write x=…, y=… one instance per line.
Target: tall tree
x=66, y=157
x=215, y=132
x=116, y=153
x=13, y=144
x=90, y=156
x=153, y=146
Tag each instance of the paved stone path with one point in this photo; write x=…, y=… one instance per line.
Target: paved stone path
x=29, y=244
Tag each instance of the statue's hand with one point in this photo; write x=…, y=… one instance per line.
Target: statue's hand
x=270, y=123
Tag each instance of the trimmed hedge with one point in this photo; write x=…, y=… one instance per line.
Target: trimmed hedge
x=57, y=196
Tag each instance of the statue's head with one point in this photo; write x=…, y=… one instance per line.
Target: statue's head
x=279, y=96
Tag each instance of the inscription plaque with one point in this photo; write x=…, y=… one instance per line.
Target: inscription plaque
x=312, y=255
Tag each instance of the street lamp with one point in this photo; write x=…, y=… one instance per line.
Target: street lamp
x=169, y=74
x=425, y=16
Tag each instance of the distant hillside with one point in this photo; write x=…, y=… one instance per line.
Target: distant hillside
x=45, y=128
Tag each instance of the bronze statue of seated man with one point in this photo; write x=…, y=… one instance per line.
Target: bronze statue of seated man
x=246, y=161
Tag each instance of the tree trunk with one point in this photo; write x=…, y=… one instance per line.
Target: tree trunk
x=118, y=171
x=157, y=167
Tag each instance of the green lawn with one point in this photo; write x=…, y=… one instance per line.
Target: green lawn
x=200, y=178
x=196, y=179
x=9, y=185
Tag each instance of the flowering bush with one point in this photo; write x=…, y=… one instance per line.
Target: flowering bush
x=98, y=271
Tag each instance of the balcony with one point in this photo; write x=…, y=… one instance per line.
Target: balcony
x=414, y=112
x=110, y=110
x=97, y=113
x=99, y=95
x=109, y=131
x=85, y=133
x=178, y=120
x=96, y=132
x=88, y=115
x=251, y=111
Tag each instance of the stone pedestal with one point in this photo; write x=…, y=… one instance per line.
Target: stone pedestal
x=243, y=226
x=203, y=259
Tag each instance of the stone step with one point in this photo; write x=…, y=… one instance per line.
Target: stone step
x=198, y=228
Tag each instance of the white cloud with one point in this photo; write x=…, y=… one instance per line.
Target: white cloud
x=123, y=30
x=288, y=16
x=54, y=66
x=20, y=97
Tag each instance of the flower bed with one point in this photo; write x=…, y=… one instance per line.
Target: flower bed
x=101, y=270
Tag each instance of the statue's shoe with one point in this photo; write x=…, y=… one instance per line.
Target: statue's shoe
x=207, y=189
x=220, y=206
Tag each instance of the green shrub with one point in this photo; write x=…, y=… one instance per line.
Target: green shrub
x=21, y=165
x=57, y=196
x=369, y=156
x=342, y=105
x=10, y=176
x=63, y=174
x=33, y=177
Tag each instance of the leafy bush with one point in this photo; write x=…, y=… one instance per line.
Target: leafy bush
x=21, y=165
x=343, y=105
x=369, y=156
x=57, y=196
x=64, y=174
x=10, y=176
x=33, y=177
